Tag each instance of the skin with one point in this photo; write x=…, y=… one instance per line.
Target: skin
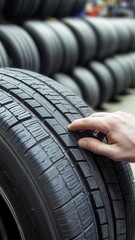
x=119, y=128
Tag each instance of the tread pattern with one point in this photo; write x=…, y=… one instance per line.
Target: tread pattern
x=90, y=203
x=27, y=134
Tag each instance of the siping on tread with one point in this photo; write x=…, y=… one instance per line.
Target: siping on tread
x=54, y=108
x=53, y=123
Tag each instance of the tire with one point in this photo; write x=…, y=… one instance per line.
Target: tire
x=65, y=8
x=30, y=48
x=131, y=25
x=118, y=75
x=125, y=64
x=2, y=4
x=69, y=44
x=4, y=60
x=104, y=79
x=20, y=10
x=85, y=38
x=49, y=188
x=48, y=45
x=47, y=8
x=131, y=59
x=20, y=47
x=124, y=35
x=68, y=82
x=89, y=85
x=79, y=6
x=105, y=34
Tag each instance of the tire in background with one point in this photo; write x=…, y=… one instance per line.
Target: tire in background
x=130, y=23
x=123, y=61
x=131, y=60
x=88, y=83
x=20, y=47
x=79, y=6
x=118, y=75
x=48, y=45
x=20, y=9
x=69, y=45
x=123, y=33
x=4, y=59
x=68, y=82
x=47, y=8
x=45, y=179
x=2, y=4
x=85, y=38
x=106, y=36
x=65, y=8
x=104, y=79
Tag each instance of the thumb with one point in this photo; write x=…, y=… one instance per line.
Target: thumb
x=95, y=146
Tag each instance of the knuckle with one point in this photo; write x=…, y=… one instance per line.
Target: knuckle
x=114, y=154
x=84, y=121
x=94, y=147
x=120, y=113
x=111, y=123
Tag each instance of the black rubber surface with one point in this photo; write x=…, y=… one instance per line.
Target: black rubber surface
x=68, y=42
x=21, y=9
x=48, y=45
x=130, y=23
x=89, y=85
x=4, y=59
x=104, y=79
x=66, y=192
x=79, y=6
x=85, y=38
x=68, y=82
x=2, y=4
x=123, y=33
x=118, y=74
x=103, y=36
x=47, y=8
x=124, y=62
x=131, y=59
x=20, y=47
x=65, y=8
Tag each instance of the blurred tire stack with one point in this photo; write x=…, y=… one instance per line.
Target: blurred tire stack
x=49, y=187
x=103, y=47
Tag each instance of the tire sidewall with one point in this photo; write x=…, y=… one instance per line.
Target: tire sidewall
x=22, y=191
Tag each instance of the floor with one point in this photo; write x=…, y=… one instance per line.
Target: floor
x=124, y=102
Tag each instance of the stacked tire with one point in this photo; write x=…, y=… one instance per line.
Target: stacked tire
x=63, y=46
x=40, y=8
x=4, y=59
x=20, y=47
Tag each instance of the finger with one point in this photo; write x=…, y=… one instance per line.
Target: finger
x=100, y=114
x=95, y=146
x=89, y=123
x=124, y=114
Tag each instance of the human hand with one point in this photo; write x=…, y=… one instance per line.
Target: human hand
x=119, y=128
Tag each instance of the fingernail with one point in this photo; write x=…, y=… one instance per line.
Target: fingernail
x=69, y=126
